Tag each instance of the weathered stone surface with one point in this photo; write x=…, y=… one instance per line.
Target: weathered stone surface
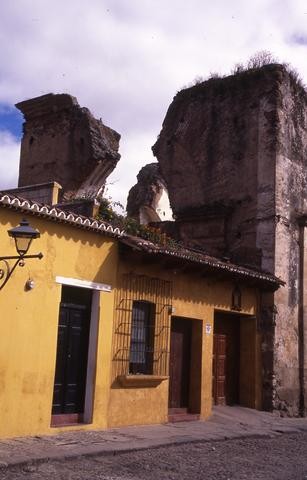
x=215, y=135
x=233, y=153
x=148, y=199
x=290, y=200
x=63, y=142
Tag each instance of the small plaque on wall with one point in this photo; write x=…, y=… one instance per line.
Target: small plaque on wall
x=208, y=328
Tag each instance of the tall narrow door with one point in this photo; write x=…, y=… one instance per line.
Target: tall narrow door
x=219, y=369
x=180, y=363
x=71, y=361
x=226, y=359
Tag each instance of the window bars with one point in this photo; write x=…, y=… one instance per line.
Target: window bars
x=142, y=337
x=142, y=326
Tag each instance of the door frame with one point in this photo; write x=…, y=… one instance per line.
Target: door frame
x=249, y=367
x=195, y=373
x=91, y=359
x=92, y=346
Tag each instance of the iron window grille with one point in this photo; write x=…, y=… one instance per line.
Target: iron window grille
x=141, y=326
x=142, y=338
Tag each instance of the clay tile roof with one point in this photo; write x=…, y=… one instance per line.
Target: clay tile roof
x=184, y=254
x=206, y=261
x=57, y=214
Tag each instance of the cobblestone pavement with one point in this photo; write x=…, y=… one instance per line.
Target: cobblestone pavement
x=282, y=457
x=226, y=423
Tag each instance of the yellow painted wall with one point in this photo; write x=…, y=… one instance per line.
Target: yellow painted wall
x=29, y=321
x=29, y=325
x=194, y=297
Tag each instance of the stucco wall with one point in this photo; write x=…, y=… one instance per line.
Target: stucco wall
x=196, y=298
x=29, y=328
x=29, y=322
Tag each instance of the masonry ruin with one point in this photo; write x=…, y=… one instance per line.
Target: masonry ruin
x=148, y=199
x=62, y=142
x=232, y=152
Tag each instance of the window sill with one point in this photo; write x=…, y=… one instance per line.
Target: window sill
x=141, y=380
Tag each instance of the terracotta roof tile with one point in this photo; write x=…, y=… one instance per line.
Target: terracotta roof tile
x=213, y=263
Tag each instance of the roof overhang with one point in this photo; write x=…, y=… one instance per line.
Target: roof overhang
x=186, y=261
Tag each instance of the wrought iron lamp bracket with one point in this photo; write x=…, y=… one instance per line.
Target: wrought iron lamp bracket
x=7, y=267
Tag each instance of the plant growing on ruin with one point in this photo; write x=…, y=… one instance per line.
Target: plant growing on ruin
x=259, y=59
x=107, y=212
x=238, y=68
x=262, y=58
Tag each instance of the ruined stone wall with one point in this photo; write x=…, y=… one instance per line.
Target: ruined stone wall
x=63, y=142
x=233, y=154
x=148, y=199
x=291, y=197
x=216, y=152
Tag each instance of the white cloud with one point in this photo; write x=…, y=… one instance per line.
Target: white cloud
x=9, y=160
x=125, y=172
x=125, y=59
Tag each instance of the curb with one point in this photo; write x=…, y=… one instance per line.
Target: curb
x=98, y=451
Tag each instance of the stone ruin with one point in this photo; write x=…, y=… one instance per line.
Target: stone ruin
x=233, y=155
x=148, y=199
x=62, y=142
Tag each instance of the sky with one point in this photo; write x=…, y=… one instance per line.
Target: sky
x=126, y=59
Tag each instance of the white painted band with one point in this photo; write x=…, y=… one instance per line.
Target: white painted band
x=75, y=282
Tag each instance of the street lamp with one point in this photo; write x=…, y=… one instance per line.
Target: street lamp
x=23, y=236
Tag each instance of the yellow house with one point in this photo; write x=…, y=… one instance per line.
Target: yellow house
x=108, y=329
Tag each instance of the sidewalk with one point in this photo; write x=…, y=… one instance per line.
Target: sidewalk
x=225, y=423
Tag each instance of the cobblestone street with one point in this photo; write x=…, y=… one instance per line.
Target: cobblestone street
x=283, y=457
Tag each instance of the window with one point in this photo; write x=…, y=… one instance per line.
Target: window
x=142, y=338
x=140, y=341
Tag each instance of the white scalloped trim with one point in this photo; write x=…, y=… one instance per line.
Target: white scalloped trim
x=53, y=212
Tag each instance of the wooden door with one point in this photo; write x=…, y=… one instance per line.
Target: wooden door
x=180, y=362
x=71, y=360
x=226, y=359
x=219, y=370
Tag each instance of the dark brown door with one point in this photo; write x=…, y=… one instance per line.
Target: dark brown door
x=219, y=370
x=226, y=359
x=71, y=361
x=180, y=362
